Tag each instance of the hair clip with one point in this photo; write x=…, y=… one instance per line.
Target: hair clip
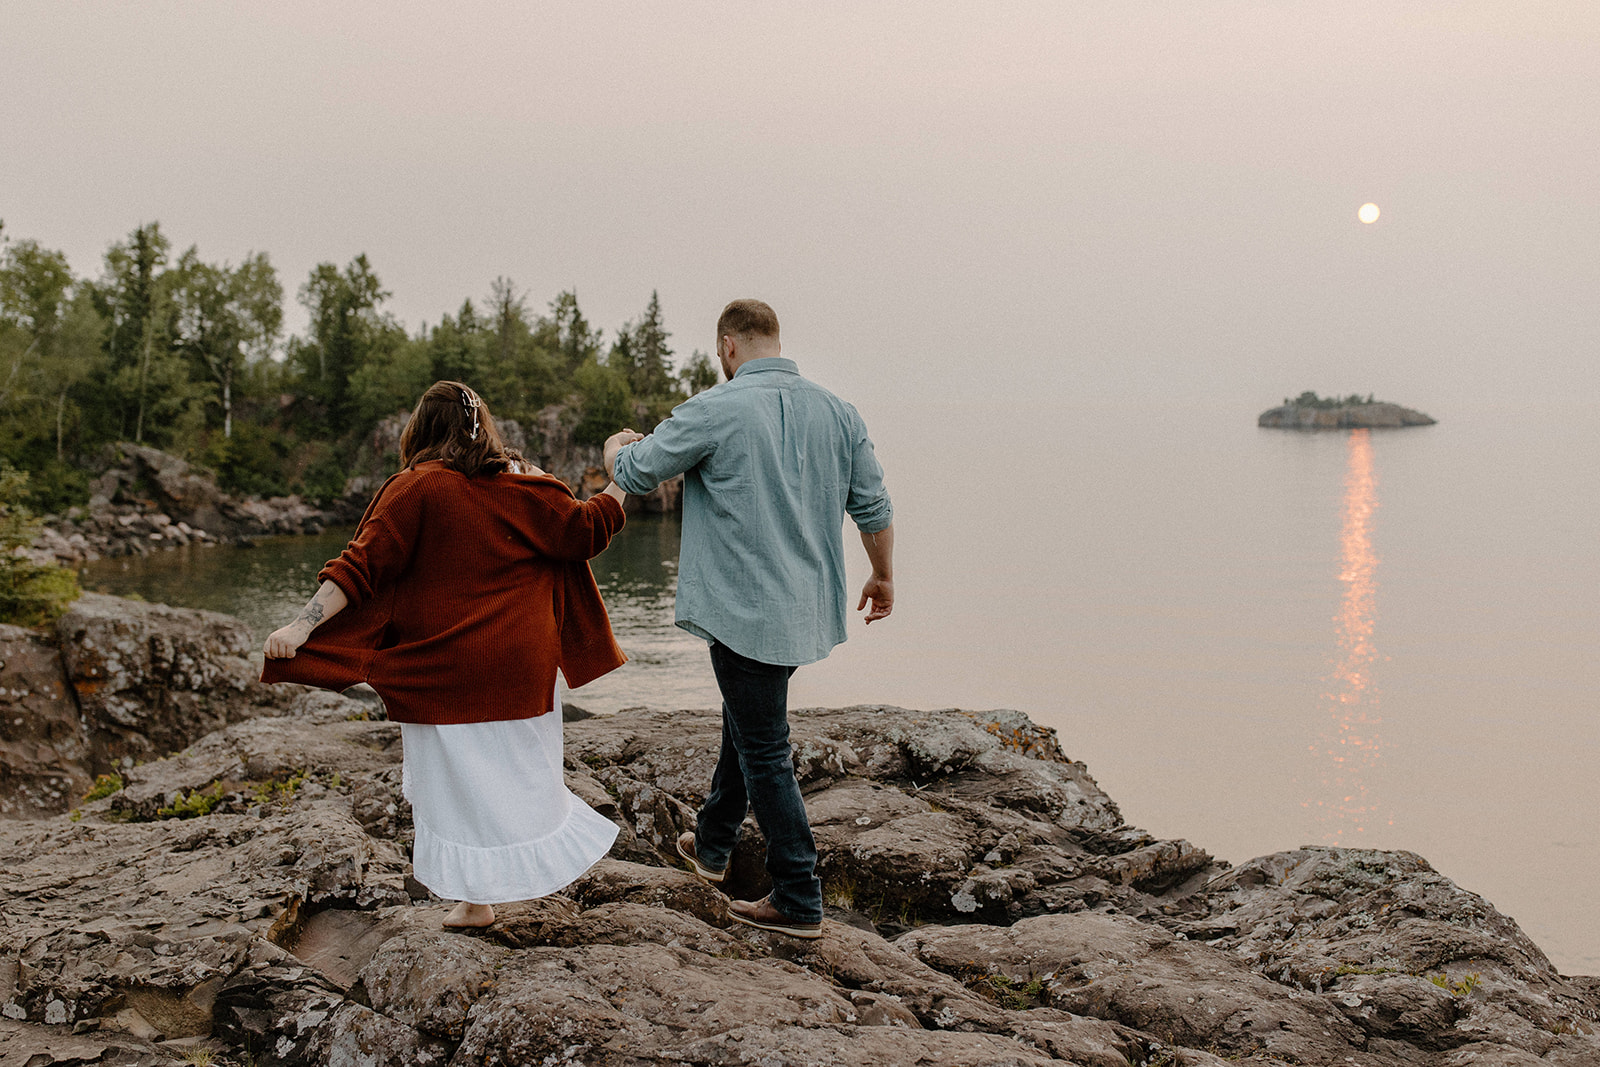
x=472, y=404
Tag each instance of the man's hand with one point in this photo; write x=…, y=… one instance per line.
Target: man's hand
x=880, y=591
x=614, y=445
x=283, y=642
x=880, y=587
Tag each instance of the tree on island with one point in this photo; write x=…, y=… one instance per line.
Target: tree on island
x=1309, y=399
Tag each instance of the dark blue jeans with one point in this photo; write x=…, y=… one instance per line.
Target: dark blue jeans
x=756, y=771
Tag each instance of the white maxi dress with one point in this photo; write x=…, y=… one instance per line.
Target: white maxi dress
x=495, y=820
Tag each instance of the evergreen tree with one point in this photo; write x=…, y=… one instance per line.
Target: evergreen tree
x=642, y=354
x=134, y=300
x=346, y=327
x=456, y=347
x=652, y=357
x=575, y=339
x=520, y=373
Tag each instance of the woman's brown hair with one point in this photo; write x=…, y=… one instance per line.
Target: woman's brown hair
x=453, y=424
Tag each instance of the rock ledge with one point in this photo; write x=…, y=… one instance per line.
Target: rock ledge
x=986, y=905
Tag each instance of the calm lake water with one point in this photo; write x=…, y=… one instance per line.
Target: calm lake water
x=1256, y=639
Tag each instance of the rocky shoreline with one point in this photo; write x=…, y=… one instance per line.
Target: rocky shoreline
x=144, y=500
x=247, y=899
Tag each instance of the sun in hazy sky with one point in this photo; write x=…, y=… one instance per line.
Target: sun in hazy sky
x=1368, y=213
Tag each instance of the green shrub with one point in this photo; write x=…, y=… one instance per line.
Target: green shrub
x=194, y=803
x=30, y=594
x=103, y=787
x=1457, y=989
x=57, y=486
x=323, y=473
x=1008, y=992
x=282, y=791
x=251, y=462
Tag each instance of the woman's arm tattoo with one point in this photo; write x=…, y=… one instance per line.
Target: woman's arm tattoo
x=311, y=613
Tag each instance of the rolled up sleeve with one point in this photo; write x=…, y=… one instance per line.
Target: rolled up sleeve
x=868, y=501
x=679, y=443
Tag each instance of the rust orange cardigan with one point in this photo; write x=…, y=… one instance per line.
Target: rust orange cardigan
x=466, y=594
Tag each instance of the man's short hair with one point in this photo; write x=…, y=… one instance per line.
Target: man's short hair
x=745, y=317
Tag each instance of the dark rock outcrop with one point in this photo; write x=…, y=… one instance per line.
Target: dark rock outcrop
x=145, y=500
x=45, y=753
x=550, y=444
x=1378, y=416
x=122, y=681
x=919, y=816
x=280, y=923
x=378, y=457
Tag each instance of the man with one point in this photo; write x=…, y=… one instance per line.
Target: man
x=772, y=463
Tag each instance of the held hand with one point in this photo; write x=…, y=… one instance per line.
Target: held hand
x=881, y=592
x=283, y=642
x=614, y=445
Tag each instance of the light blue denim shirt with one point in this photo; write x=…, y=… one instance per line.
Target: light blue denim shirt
x=772, y=463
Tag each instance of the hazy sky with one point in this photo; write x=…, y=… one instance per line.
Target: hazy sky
x=1117, y=200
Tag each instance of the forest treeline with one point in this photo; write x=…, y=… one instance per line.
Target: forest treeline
x=185, y=354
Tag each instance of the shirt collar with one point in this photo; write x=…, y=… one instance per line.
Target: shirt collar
x=777, y=363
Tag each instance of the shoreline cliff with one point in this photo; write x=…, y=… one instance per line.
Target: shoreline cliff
x=241, y=886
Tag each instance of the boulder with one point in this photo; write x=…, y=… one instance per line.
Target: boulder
x=1385, y=935
x=919, y=816
x=150, y=679
x=177, y=488
x=1117, y=968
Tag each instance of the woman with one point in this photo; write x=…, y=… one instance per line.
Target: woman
x=464, y=589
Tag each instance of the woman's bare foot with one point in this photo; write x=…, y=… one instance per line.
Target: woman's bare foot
x=469, y=917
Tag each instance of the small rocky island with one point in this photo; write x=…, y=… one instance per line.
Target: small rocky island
x=234, y=889
x=1308, y=411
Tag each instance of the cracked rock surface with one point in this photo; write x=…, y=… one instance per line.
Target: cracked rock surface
x=251, y=895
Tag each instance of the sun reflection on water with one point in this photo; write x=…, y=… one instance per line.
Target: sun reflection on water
x=1349, y=746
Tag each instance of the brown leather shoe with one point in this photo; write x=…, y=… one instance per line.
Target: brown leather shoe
x=763, y=916
x=686, y=850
